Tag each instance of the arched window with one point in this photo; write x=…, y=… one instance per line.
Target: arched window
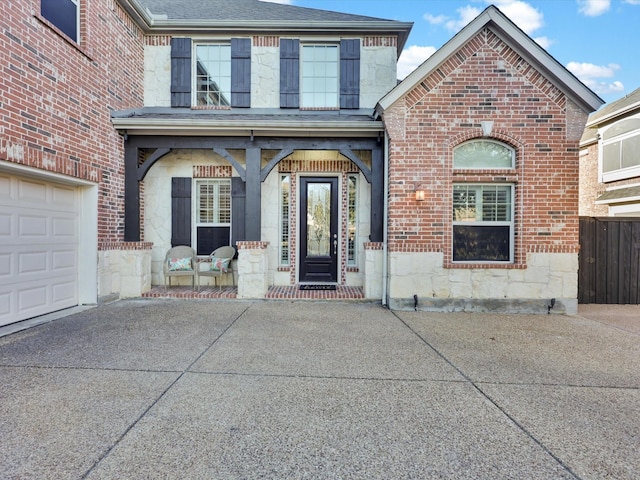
x=483, y=213
x=483, y=154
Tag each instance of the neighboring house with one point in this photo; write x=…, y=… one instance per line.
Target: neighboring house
x=610, y=160
x=63, y=67
x=283, y=131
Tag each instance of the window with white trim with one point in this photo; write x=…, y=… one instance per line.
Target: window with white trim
x=483, y=154
x=285, y=195
x=621, y=150
x=64, y=14
x=483, y=227
x=212, y=214
x=213, y=75
x=319, y=76
x=352, y=220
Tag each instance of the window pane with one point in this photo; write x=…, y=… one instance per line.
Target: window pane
x=284, y=219
x=63, y=14
x=631, y=152
x=319, y=76
x=464, y=203
x=611, y=157
x=213, y=201
x=213, y=75
x=483, y=154
x=481, y=243
x=624, y=126
x=352, y=225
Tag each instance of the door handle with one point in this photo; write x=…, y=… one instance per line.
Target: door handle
x=335, y=247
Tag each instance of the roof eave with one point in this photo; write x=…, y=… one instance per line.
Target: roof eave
x=617, y=113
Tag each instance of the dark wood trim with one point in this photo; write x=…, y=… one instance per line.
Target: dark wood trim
x=252, y=176
x=131, y=194
x=377, y=196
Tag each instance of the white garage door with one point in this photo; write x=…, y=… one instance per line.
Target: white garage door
x=38, y=247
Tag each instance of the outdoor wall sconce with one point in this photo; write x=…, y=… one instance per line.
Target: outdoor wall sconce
x=420, y=194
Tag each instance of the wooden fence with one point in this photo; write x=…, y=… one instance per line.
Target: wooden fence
x=609, y=265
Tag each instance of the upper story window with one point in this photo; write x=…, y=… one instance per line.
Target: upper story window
x=213, y=75
x=319, y=74
x=621, y=150
x=483, y=154
x=64, y=14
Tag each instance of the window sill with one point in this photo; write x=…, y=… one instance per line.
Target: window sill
x=209, y=107
x=63, y=35
x=488, y=265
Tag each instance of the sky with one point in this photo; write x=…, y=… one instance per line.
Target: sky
x=596, y=40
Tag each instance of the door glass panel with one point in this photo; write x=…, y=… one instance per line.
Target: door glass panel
x=318, y=219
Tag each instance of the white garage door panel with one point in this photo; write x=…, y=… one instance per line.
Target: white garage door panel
x=38, y=248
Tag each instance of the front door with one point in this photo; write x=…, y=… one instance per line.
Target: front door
x=319, y=229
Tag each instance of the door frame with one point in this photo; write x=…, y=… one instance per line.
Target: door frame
x=336, y=215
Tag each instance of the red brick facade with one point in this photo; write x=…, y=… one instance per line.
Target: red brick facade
x=57, y=96
x=485, y=80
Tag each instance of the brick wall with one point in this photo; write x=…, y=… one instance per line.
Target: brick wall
x=590, y=189
x=484, y=80
x=57, y=96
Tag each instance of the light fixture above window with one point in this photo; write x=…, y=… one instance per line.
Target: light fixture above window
x=421, y=194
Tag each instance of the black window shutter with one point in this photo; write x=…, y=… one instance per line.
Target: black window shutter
x=350, y=73
x=180, y=72
x=238, y=209
x=289, y=73
x=240, y=72
x=180, y=211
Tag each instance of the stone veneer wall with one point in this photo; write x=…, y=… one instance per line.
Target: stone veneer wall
x=124, y=269
x=547, y=276
x=253, y=264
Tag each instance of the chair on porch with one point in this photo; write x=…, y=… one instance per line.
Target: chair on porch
x=180, y=261
x=218, y=264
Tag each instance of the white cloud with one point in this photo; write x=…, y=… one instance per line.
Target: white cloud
x=436, y=19
x=632, y=2
x=544, y=42
x=592, y=76
x=593, y=8
x=467, y=14
x=528, y=18
x=411, y=58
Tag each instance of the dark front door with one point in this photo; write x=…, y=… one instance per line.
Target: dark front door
x=319, y=229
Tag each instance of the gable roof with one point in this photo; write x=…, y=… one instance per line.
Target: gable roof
x=250, y=16
x=519, y=41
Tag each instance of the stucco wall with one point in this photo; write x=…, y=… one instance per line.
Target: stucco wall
x=157, y=76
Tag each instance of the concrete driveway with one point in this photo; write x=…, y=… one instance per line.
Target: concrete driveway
x=286, y=390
